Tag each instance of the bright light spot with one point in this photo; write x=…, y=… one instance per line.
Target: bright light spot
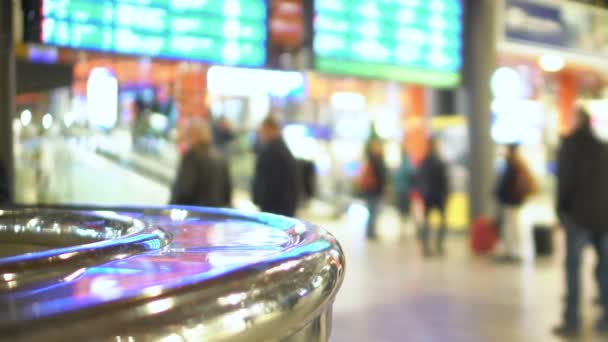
x=231, y=52
x=347, y=101
x=358, y=212
x=300, y=141
x=105, y=288
x=598, y=109
x=160, y=305
x=75, y=275
x=552, y=63
x=194, y=333
x=370, y=29
x=369, y=10
x=68, y=119
x=17, y=126
x=172, y=338
x=317, y=281
x=393, y=154
x=47, y=121
x=158, y=122
x=234, y=322
x=9, y=276
x=232, y=299
x=517, y=121
x=232, y=29
x=26, y=117
x=506, y=83
x=232, y=8
x=323, y=163
x=247, y=82
x=371, y=49
x=153, y=291
x=102, y=98
x=387, y=124
x=65, y=256
x=178, y=214
x=327, y=43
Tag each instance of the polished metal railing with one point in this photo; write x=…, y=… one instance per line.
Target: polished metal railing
x=165, y=274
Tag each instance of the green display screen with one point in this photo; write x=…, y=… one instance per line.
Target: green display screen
x=220, y=31
x=417, y=41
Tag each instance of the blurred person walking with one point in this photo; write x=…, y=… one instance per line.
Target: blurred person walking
x=223, y=133
x=403, y=181
x=581, y=207
x=432, y=183
x=371, y=183
x=203, y=177
x=514, y=186
x=275, y=182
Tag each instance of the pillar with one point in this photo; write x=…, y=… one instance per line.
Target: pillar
x=479, y=63
x=567, y=94
x=7, y=93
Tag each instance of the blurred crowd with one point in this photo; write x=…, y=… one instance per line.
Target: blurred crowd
x=420, y=189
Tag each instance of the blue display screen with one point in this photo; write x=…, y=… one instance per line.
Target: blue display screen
x=229, y=32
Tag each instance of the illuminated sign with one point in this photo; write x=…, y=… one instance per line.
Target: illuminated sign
x=418, y=41
x=244, y=82
x=220, y=31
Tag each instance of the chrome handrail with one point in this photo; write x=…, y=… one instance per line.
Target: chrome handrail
x=169, y=273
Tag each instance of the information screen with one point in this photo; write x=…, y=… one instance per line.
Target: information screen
x=417, y=41
x=220, y=31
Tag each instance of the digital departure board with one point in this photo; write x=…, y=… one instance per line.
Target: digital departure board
x=219, y=31
x=417, y=41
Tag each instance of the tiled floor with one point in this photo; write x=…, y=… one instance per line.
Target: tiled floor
x=392, y=294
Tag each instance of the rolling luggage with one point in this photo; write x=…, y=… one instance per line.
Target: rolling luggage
x=484, y=235
x=543, y=239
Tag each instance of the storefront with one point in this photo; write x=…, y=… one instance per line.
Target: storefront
x=551, y=61
x=134, y=82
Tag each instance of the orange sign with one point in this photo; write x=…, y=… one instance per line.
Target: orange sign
x=286, y=23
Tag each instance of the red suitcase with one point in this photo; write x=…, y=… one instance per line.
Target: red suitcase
x=484, y=235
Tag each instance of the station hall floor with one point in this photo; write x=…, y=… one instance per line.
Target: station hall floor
x=391, y=293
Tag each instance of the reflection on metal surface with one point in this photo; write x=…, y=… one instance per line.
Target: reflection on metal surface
x=165, y=274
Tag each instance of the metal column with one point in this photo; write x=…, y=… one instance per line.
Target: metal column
x=480, y=60
x=7, y=91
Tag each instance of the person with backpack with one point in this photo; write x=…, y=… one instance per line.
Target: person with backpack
x=371, y=183
x=203, y=178
x=432, y=182
x=514, y=186
x=582, y=195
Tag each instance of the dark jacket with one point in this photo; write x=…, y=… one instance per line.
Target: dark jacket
x=203, y=179
x=582, y=183
x=275, y=183
x=505, y=189
x=379, y=168
x=432, y=180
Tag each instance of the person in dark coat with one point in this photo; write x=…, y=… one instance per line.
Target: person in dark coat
x=581, y=207
x=203, y=178
x=403, y=182
x=275, y=182
x=432, y=182
x=373, y=183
